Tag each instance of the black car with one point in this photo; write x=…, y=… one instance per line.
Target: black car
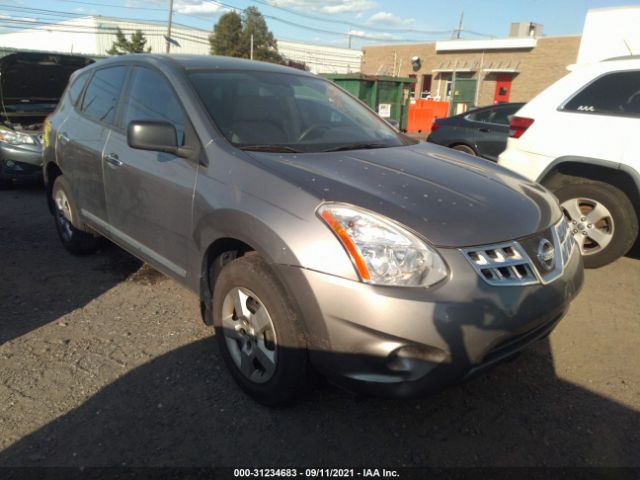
x=482, y=132
x=31, y=84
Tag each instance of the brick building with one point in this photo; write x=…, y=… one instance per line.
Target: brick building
x=477, y=72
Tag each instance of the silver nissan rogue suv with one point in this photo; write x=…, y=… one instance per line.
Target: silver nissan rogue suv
x=316, y=236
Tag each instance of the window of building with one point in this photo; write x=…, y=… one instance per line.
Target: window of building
x=615, y=93
x=101, y=98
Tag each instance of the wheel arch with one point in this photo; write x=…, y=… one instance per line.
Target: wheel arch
x=466, y=144
x=51, y=172
x=565, y=170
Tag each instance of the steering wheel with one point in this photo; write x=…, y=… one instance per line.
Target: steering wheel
x=313, y=128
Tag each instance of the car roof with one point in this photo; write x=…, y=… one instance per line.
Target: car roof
x=201, y=62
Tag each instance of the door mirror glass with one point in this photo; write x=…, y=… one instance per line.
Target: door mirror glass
x=152, y=135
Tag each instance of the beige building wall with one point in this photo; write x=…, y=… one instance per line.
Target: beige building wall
x=537, y=67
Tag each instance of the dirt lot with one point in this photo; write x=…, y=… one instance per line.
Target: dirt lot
x=105, y=362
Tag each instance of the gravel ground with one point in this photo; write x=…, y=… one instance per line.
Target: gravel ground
x=105, y=362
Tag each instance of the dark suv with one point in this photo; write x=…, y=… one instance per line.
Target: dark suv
x=313, y=233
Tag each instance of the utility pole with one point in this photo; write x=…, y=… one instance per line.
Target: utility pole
x=169, y=25
x=349, y=36
x=458, y=32
x=251, y=47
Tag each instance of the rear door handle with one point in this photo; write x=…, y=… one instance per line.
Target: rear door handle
x=112, y=159
x=63, y=138
x=484, y=130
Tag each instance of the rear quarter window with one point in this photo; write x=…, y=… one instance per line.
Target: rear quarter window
x=76, y=87
x=616, y=93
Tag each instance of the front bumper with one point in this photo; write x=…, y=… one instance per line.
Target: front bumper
x=390, y=341
x=20, y=161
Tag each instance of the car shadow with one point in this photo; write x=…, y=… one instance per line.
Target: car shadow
x=183, y=409
x=38, y=275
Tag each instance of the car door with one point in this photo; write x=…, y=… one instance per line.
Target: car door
x=492, y=130
x=149, y=194
x=82, y=137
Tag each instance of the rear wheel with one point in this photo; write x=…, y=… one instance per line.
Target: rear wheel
x=259, y=331
x=465, y=149
x=65, y=214
x=602, y=219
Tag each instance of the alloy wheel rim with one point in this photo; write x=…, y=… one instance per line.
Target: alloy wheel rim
x=590, y=222
x=249, y=334
x=63, y=213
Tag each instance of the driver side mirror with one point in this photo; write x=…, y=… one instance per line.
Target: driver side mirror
x=154, y=136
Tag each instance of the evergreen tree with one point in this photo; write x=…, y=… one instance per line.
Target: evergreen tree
x=232, y=37
x=225, y=39
x=265, y=47
x=122, y=46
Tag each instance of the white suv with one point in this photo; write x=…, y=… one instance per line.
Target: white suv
x=581, y=139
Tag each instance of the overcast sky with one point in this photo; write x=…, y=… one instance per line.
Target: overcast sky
x=331, y=21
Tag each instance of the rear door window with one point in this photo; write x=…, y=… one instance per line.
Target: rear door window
x=615, y=93
x=497, y=115
x=101, y=97
x=150, y=97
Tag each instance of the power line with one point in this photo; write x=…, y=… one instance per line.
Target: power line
x=89, y=31
x=129, y=7
x=316, y=29
x=351, y=24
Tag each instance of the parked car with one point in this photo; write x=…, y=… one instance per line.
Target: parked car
x=313, y=233
x=30, y=87
x=580, y=139
x=482, y=132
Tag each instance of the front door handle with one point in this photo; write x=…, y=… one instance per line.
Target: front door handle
x=112, y=159
x=63, y=138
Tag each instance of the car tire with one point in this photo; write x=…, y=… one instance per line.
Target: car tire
x=602, y=219
x=465, y=148
x=66, y=217
x=262, y=345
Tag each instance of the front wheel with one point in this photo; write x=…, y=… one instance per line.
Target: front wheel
x=602, y=219
x=65, y=214
x=259, y=331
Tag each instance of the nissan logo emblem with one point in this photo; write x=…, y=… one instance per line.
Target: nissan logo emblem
x=546, y=254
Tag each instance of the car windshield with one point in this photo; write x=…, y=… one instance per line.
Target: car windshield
x=290, y=113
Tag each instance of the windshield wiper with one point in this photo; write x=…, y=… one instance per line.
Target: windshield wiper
x=270, y=148
x=357, y=146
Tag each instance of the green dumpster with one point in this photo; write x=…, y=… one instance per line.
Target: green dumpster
x=388, y=96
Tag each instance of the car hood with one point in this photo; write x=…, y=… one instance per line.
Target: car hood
x=450, y=198
x=28, y=77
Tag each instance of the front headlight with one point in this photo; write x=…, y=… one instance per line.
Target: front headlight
x=15, y=138
x=383, y=252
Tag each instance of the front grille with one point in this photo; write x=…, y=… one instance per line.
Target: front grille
x=517, y=262
x=505, y=264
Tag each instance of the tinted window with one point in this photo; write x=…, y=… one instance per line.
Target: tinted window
x=499, y=115
x=503, y=115
x=297, y=111
x=482, y=116
x=76, y=87
x=615, y=93
x=101, y=96
x=150, y=97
